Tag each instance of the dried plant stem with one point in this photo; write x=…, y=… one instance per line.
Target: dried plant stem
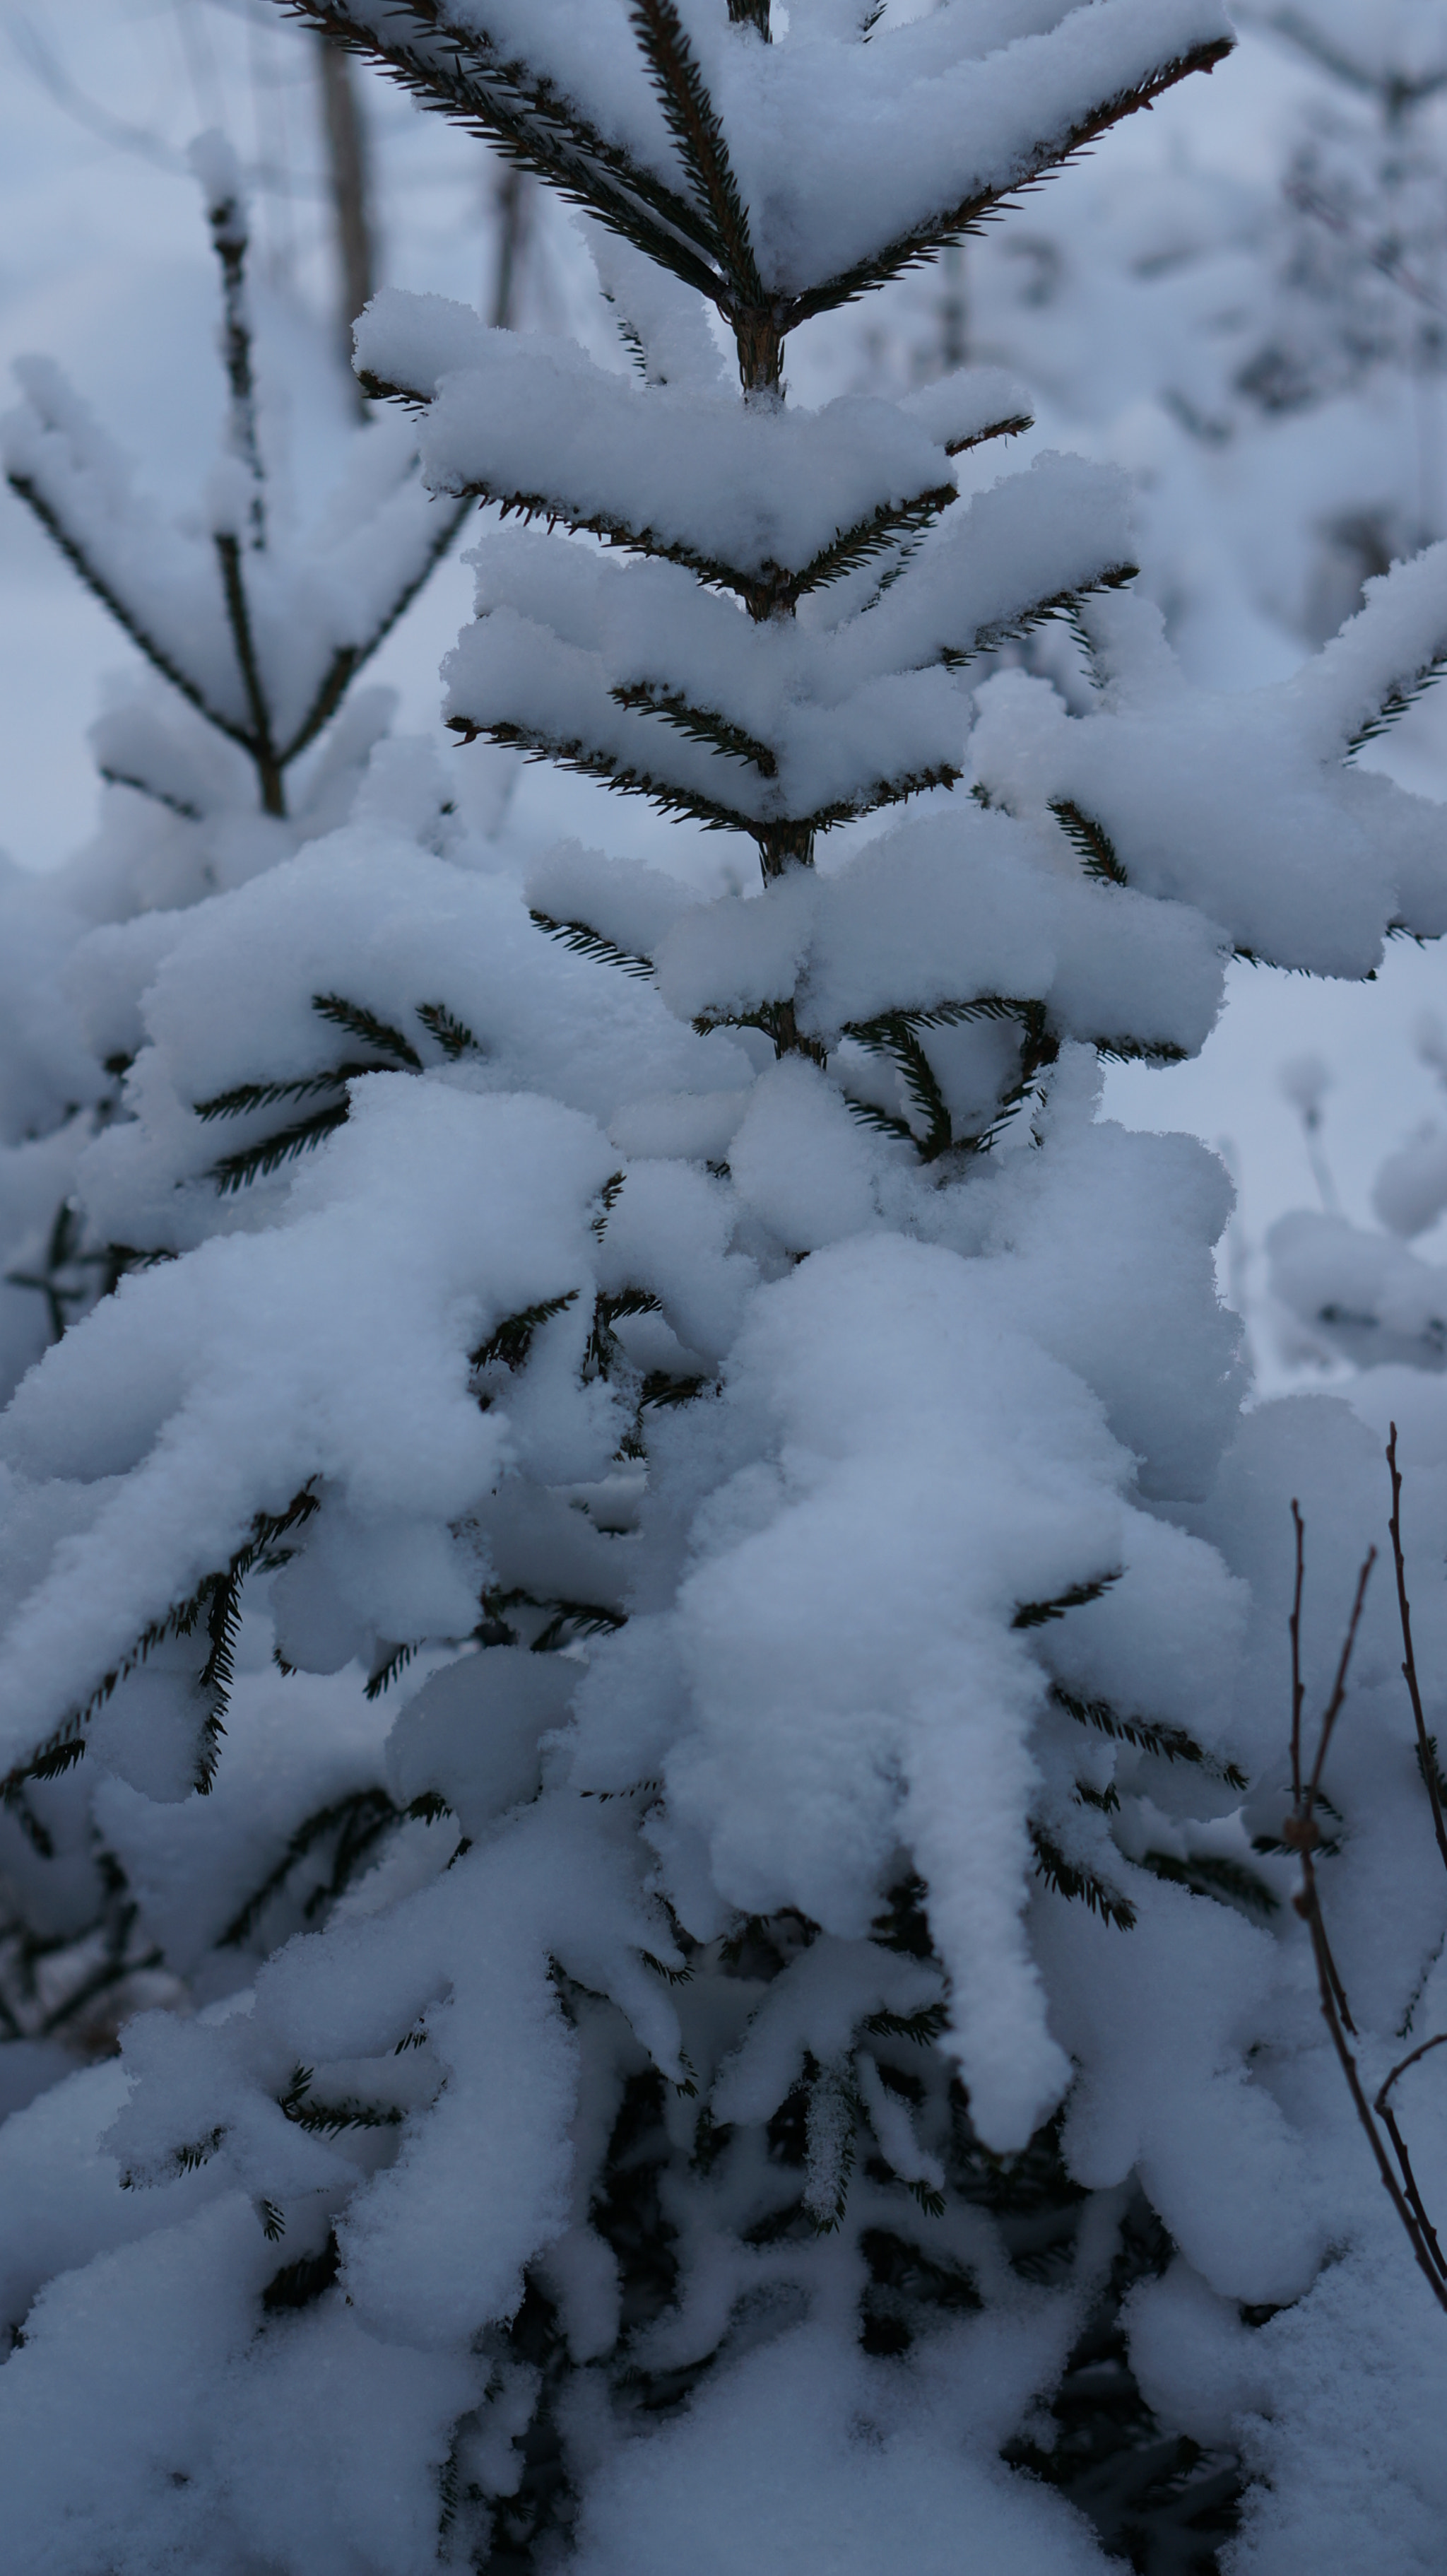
x=1303, y=1834
x=1298, y=1687
x=1388, y=2119
x=1406, y=2201
x=1301, y=1829
x=1426, y=1750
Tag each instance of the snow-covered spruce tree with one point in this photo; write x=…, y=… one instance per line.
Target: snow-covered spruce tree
x=680, y=1445
x=243, y=737
x=1268, y=338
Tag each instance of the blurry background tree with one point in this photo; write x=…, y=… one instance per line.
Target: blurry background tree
x=1355, y=304
x=349, y=160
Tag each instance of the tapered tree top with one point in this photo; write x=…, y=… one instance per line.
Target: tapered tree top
x=781, y=178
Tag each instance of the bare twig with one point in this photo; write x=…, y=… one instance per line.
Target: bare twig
x=1388, y=2119
x=1301, y=1830
x=1303, y=1835
x=1420, y=2234
x=1426, y=1749
x=1298, y=1687
x=1339, y=1686
x=1403, y=2063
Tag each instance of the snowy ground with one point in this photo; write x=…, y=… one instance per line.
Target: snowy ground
x=104, y=265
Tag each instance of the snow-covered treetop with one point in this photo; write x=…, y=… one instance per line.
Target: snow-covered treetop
x=666, y=121
x=768, y=638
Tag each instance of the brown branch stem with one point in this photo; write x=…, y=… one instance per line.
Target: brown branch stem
x=1388, y=2119
x=1298, y=1687
x=1302, y=1834
x=1339, y=1686
x=1426, y=1750
x=259, y=742
x=1420, y=2234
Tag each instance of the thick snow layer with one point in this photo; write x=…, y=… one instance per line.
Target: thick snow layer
x=412, y=1246
x=224, y=995
x=306, y=603
x=699, y=475
x=137, y=2339
x=471, y=1733
x=1240, y=805
x=959, y=908
x=294, y=1745
x=993, y=1482
x=804, y=2459
x=807, y=1593
x=940, y=113
x=63, y=2197
x=355, y=2432
x=638, y=670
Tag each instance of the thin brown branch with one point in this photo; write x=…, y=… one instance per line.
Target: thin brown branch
x=1014, y=427
x=1302, y=1834
x=1411, y=2060
x=1426, y=1749
x=349, y=659
x=1308, y=1906
x=1298, y=1687
x=1419, y=2233
x=1301, y=1830
x=1388, y=2119
x=1339, y=1686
